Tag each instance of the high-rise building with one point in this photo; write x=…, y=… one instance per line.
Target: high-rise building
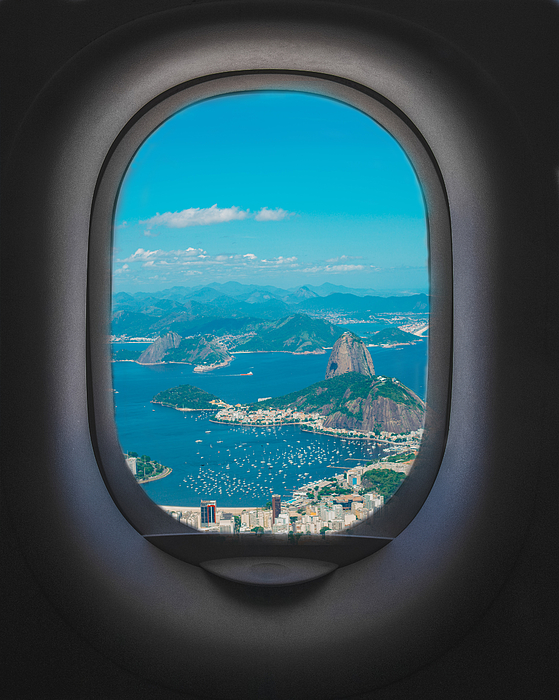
x=373, y=501
x=227, y=523
x=276, y=507
x=353, y=477
x=131, y=462
x=207, y=512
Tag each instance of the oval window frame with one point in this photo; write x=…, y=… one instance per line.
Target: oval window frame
x=147, y=517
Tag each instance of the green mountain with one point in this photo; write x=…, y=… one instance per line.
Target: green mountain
x=199, y=350
x=297, y=334
x=356, y=402
x=186, y=396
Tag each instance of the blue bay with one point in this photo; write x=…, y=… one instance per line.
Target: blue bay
x=241, y=466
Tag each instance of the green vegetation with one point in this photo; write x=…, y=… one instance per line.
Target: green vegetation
x=336, y=393
x=397, y=393
x=384, y=481
x=328, y=392
x=186, y=396
x=391, y=336
x=202, y=350
x=333, y=491
x=146, y=468
x=297, y=333
x=407, y=457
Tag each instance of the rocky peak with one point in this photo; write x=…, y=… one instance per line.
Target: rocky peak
x=349, y=354
x=305, y=293
x=159, y=348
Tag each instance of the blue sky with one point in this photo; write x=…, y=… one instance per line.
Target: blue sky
x=277, y=188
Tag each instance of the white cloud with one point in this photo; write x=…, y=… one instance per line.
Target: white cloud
x=316, y=268
x=145, y=256
x=193, y=257
x=333, y=268
x=343, y=257
x=343, y=268
x=196, y=217
x=121, y=270
x=280, y=260
x=266, y=214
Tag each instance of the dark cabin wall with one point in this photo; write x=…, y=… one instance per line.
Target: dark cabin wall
x=511, y=652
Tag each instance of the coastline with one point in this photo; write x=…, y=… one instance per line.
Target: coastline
x=199, y=369
x=255, y=425
x=208, y=368
x=163, y=474
x=177, y=408
x=321, y=351
x=304, y=429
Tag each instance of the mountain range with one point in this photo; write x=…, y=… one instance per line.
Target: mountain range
x=208, y=309
x=298, y=334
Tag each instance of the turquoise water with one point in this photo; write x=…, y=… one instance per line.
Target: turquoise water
x=233, y=465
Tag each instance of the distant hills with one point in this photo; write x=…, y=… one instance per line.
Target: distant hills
x=351, y=303
x=243, y=292
x=238, y=308
x=392, y=336
x=297, y=334
x=199, y=350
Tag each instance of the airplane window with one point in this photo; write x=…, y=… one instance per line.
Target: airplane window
x=270, y=315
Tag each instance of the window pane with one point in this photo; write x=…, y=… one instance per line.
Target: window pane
x=270, y=314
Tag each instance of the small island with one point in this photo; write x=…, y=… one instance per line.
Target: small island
x=392, y=336
x=188, y=398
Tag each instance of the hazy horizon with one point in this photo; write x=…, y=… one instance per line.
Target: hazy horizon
x=310, y=286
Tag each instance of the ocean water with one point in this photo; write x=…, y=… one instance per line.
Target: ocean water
x=233, y=465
